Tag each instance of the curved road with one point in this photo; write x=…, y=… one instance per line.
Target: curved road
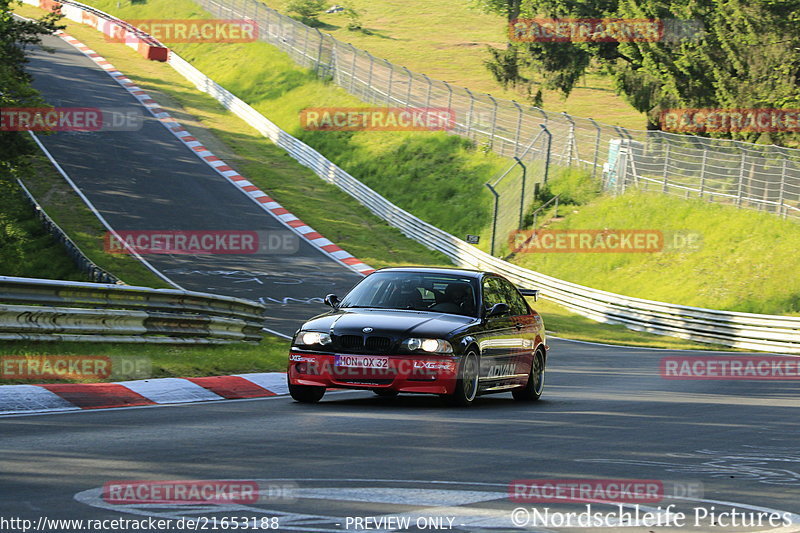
x=148, y=180
x=606, y=412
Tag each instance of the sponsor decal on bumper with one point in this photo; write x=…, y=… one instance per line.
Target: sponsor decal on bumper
x=404, y=373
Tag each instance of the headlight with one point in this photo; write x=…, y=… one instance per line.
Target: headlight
x=314, y=337
x=428, y=345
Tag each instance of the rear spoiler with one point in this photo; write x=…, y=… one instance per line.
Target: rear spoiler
x=533, y=293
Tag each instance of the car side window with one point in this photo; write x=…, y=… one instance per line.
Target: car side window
x=493, y=293
x=514, y=299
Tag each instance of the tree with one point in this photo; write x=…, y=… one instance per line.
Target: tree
x=15, y=83
x=307, y=10
x=745, y=54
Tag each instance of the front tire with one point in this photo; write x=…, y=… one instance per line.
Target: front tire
x=533, y=389
x=306, y=393
x=467, y=382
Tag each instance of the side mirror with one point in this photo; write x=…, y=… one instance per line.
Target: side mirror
x=498, y=309
x=332, y=300
x=533, y=293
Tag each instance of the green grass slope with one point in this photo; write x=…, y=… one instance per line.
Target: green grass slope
x=26, y=248
x=447, y=40
x=747, y=261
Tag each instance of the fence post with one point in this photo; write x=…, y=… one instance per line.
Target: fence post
x=703, y=171
x=389, y=86
x=519, y=127
x=494, y=119
x=781, y=210
x=304, y=53
x=410, y=81
x=353, y=69
x=369, y=77
x=267, y=23
x=547, y=157
x=571, y=140
x=741, y=182
x=292, y=44
x=522, y=192
x=666, y=167
x=430, y=87
x=494, y=223
x=319, y=51
x=596, y=147
x=469, y=113
x=449, y=96
x=622, y=178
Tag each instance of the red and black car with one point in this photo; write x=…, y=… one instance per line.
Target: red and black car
x=456, y=333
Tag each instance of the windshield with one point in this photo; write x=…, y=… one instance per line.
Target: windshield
x=443, y=293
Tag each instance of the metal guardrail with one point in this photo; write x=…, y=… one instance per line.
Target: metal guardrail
x=541, y=209
x=45, y=310
x=739, y=330
x=84, y=264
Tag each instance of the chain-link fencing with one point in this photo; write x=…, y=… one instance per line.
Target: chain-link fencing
x=763, y=177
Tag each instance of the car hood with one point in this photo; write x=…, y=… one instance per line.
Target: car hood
x=395, y=323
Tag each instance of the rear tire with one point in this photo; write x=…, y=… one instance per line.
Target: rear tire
x=533, y=389
x=467, y=382
x=306, y=393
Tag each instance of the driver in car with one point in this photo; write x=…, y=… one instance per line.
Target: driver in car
x=457, y=299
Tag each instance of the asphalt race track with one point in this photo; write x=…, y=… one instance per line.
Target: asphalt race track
x=606, y=411
x=148, y=180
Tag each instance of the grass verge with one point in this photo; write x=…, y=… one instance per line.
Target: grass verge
x=26, y=248
x=447, y=41
x=746, y=261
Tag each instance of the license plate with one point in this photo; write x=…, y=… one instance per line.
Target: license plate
x=362, y=361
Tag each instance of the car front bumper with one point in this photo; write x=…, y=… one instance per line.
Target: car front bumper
x=401, y=373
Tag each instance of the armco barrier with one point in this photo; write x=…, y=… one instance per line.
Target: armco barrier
x=115, y=28
x=739, y=330
x=42, y=310
x=86, y=265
